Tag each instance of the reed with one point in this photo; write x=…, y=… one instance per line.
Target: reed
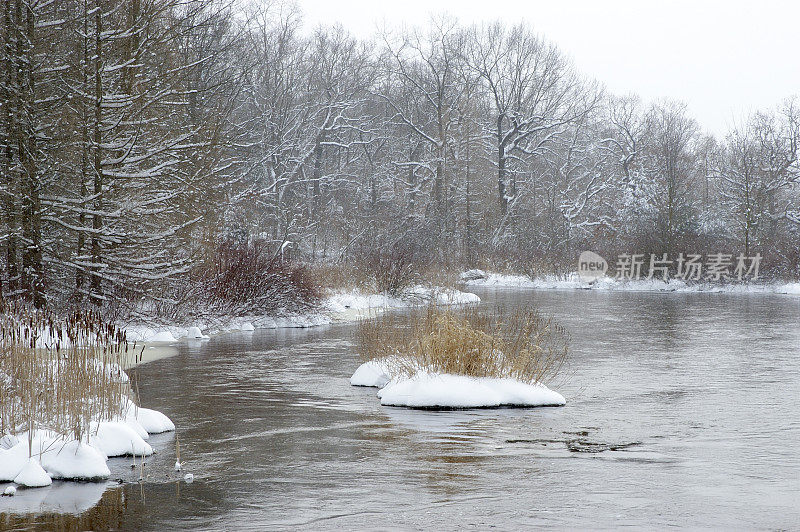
x=59, y=374
x=474, y=341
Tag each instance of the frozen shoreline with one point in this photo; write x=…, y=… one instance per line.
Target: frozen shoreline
x=478, y=278
x=35, y=460
x=338, y=307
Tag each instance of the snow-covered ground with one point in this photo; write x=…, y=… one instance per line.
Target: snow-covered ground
x=374, y=373
x=34, y=460
x=572, y=282
x=337, y=307
x=431, y=390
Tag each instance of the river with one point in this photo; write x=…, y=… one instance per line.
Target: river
x=682, y=410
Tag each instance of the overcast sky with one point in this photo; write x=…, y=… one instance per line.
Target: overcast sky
x=723, y=58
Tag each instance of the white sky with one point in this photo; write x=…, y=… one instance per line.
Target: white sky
x=723, y=58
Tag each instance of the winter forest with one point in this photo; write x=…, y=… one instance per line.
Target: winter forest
x=159, y=152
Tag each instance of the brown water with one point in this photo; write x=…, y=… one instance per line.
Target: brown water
x=682, y=410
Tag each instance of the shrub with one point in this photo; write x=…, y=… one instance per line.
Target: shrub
x=388, y=262
x=246, y=278
x=392, y=268
x=476, y=342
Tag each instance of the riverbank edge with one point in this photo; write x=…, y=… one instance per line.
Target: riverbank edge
x=572, y=281
x=339, y=306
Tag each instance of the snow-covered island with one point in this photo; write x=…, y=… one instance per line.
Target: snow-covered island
x=34, y=459
x=456, y=360
x=444, y=391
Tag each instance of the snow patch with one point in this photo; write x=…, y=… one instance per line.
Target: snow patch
x=196, y=334
x=153, y=421
x=374, y=373
x=573, y=282
x=430, y=390
x=75, y=461
x=33, y=476
x=114, y=438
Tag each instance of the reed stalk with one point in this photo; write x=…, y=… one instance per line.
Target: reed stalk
x=59, y=374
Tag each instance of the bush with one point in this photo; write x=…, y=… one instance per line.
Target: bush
x=474, y=342
x=392, y=268
x=247, y=278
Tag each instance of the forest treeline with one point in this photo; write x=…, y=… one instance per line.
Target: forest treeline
x=144, y=144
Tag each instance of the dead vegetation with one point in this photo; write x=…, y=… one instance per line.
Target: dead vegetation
x=59, y=374
x=474, y=341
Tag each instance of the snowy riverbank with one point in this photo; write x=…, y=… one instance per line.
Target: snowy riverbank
x=35, y=460
x=479, y=278
x=339, y=306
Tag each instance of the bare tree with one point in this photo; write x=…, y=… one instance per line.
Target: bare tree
x=533, y=94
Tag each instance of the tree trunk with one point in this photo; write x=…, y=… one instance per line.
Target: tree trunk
x=80, y=274
x=501, y=180
x=28, y=154
x=7, y=170
x=501, y=168
x=97, y=218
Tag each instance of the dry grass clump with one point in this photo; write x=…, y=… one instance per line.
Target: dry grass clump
x=474, y=341
x=58, y=374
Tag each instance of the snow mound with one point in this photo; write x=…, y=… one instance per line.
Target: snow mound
x=455, y=297
x=33, y=475
x=133, y=423
x=429, y=390
x=10, y=491
x=12, y=461
x=114, y=438
x=472, y=275
x=162, y=337
x=145, y=421
x=153, y=421
x=195, y=333
x=373, y=373
x=248, y=327
x=77, y=461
